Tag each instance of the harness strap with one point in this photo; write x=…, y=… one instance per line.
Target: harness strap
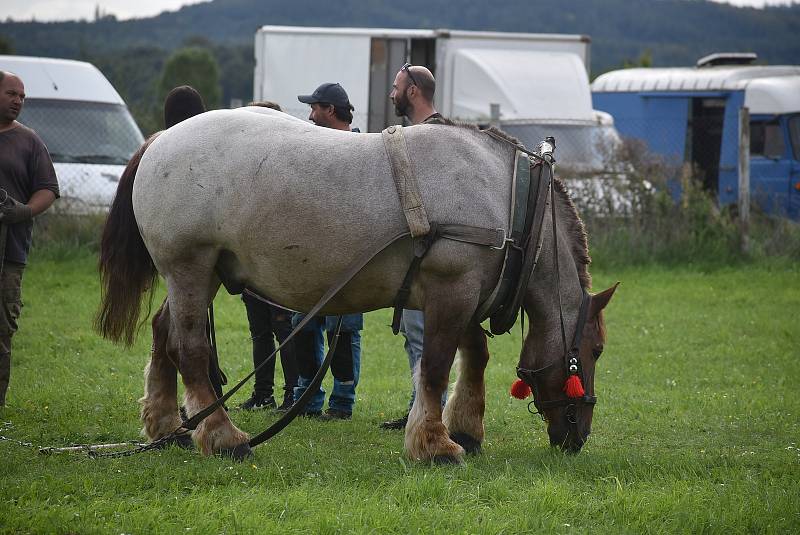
x=421, y=246
x=494, y=238
x=405, y=181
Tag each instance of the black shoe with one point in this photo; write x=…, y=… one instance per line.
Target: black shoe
x=258, y=402
x=288, y=401
x=336, y=414
x=399, y=423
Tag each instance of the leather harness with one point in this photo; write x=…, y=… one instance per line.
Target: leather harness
x=531, y=185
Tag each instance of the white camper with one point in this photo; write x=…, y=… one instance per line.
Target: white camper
x=84, y=123
x=537, y=84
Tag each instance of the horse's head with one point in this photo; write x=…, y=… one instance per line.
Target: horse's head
x=545, y=366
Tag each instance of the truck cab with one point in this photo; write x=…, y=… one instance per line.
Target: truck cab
x=692, y=115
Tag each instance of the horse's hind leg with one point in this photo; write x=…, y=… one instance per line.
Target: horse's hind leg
x=160, y=401
x=463, y=414
x=188, y=305
x=446, y=316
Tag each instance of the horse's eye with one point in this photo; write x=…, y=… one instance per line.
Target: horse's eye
x=597, y=351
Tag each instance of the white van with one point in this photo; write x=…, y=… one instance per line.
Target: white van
x=84, y=123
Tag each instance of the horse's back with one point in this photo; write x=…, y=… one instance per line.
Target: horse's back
x=282, y=195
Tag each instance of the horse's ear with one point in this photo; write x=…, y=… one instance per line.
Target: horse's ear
x=600, y=300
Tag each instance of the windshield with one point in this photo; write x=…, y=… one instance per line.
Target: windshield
x=83, y=132
x=794, y=132
x=582, y=146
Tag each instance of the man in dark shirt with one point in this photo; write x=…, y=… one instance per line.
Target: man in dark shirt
x=330, y=108
x=412, y=96
x=29, y=187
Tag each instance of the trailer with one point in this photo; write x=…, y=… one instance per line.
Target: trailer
x=693, y=115
x=531, y=85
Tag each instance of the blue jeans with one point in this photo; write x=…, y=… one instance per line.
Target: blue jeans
x=412, y=325
x=345, y=364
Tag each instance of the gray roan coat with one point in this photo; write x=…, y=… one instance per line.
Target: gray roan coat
x=283, y=207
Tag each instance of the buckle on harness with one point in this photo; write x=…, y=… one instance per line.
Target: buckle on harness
x=502, y=238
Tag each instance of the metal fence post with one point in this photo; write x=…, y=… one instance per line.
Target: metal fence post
x=494, y=115
x=744, y=177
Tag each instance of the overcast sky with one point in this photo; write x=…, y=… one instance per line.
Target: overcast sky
x=45, y=10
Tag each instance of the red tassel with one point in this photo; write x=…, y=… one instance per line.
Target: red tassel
x=573, y=387
x=520, y=389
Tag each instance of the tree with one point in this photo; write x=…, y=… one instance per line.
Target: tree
x=196, y=67
x=5, y=45
x=645, y=59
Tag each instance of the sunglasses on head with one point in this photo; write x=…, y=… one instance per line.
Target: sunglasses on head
x=406, y=68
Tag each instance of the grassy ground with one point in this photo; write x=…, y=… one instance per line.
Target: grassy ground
x=697, y=427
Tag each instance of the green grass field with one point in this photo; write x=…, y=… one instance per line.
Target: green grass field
x=697, y=428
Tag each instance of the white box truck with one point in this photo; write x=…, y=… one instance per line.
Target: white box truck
x=84, y=123
x=538, y=83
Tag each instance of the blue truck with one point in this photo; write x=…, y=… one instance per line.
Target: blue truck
x=691, y=114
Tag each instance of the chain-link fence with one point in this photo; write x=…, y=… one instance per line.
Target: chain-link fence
x=90, y=144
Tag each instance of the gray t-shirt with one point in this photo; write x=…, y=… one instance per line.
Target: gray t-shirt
x=25, y=167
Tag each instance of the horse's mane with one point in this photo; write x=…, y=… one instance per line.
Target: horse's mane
x=496, y=131
x=575, y=229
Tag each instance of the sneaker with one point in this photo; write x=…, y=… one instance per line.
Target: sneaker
x=336, y=414
x=258, y=402
x=288, y=401
x=399, y=423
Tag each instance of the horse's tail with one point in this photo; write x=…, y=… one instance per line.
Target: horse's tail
x=126, y=268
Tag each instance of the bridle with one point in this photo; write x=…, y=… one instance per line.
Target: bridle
x=571, y=362
x=571, y=356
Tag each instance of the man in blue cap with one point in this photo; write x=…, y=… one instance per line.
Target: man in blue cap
x=330, y=108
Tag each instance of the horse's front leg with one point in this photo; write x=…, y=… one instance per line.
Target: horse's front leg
x=463, y=414
x=446, y=315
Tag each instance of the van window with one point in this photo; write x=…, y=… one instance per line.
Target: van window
x=83, y=132
x=794, y=134
x=766, y=139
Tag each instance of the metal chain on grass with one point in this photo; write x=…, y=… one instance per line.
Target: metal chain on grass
x=89, y=449
x=8, y=425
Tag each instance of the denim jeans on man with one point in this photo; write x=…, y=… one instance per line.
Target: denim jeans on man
x=345, y=364
x=412, y=325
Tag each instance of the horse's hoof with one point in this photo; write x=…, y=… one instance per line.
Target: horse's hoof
x=470, y=444
x=183, y=441
x=238, y=453
x=443, y=460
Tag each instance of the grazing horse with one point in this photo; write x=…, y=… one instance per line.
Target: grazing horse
x=268, y=202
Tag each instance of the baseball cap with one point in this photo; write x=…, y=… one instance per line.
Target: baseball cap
x=328, y=93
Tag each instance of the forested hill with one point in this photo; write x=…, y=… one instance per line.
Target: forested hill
x=133, y=53
x=676, y=32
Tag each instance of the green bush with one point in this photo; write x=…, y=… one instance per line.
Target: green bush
x=60, y=236
x=632, y=217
